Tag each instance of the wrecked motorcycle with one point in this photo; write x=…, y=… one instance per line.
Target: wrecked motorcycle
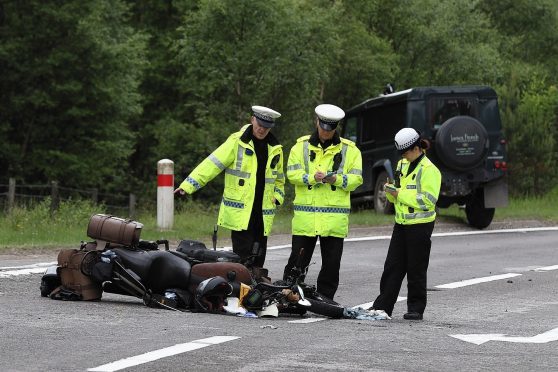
x=192, y=277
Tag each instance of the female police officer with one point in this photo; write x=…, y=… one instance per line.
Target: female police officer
x=414, y=195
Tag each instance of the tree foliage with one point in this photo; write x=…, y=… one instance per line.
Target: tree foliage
x=529, y=110
x=439, y=42
x=70, y=73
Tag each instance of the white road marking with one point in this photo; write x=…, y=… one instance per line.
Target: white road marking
x=10, y=273
x=368, y=305
x=480, y=339
x=522, y=269
x=307, y=320
x=38, y=268
x=546, y=268
x=459, y=233
x=40, y=264
x=454, y=233
x=485, y=279
x=162, y=353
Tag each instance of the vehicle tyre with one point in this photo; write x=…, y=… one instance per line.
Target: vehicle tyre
x=477, y=215
x=381, y=204
x=331, y=310
x=461, y=143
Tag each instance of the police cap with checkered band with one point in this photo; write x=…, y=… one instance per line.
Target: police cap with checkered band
x=329, y=116
x=265, y=116
x=406, y=139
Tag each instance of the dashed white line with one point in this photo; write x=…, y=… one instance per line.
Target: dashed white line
x=162, y=353
x=546, y=268
x=464, y=283
x=480, y=339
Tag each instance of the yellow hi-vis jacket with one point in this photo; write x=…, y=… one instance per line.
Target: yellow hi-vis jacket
x=237, y=157
x=320, y=208
x=418, y=194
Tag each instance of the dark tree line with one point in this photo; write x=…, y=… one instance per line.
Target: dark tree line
x=94, y=93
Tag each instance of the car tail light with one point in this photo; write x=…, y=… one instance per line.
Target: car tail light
x=504, y=166
x=497, y=164
x=503, y=141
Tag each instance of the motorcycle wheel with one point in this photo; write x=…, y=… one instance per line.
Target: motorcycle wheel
x=326, y=309
x=293, y=310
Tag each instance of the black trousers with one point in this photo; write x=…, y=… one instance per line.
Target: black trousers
x=331, y=249
x=408, y=254
x=243, y=245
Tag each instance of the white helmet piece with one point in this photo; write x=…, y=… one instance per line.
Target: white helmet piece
x=329, y=116
x=406, y=139
x=265, y=116
x=270, y=311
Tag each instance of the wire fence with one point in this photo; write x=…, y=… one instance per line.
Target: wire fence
x=27, y=196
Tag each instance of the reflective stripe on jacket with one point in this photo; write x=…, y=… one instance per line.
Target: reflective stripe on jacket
x=416, y=201
x=320, y=208
x=237, y=157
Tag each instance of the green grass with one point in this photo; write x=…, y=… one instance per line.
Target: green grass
x=33, y=228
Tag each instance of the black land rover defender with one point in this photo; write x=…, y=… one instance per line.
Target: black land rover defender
x=463, y=126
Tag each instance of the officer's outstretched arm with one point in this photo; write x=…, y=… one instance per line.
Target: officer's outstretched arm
x=210, y=167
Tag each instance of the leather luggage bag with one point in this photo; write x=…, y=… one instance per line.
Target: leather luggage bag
x=70, y=269
x=107, y=228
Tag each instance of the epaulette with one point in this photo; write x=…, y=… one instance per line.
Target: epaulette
x=348, y=142
x=303, y=138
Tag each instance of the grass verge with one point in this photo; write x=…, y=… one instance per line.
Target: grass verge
x=37, y=227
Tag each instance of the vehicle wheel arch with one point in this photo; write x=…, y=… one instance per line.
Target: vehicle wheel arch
x=381, y=168
x=383, y=165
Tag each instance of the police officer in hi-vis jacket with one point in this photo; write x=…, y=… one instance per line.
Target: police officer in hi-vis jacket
x=252, y=159
x=414, y=193
x=324, y=168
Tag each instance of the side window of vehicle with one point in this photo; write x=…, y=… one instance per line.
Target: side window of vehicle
x=351, y=129
x=443, y=108
x=381, y=123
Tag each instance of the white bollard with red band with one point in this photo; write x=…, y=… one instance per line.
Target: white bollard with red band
x=165, y=196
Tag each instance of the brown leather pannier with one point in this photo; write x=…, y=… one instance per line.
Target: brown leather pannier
x=103, y=227
x=70, y=263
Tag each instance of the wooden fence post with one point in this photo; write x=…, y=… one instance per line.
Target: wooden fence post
x=11, y=193
x=54, y=196
x=132, y=206
x=165, y=195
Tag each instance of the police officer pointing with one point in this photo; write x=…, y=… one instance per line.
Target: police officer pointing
x=324, y=168
x=252, y=159
x=414, y=194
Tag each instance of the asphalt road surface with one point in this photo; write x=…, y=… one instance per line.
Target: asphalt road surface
x=492, y=305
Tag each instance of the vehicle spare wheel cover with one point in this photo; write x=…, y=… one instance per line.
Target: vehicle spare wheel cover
x=461, y=142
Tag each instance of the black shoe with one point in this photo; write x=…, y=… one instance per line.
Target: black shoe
x=412, y=316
